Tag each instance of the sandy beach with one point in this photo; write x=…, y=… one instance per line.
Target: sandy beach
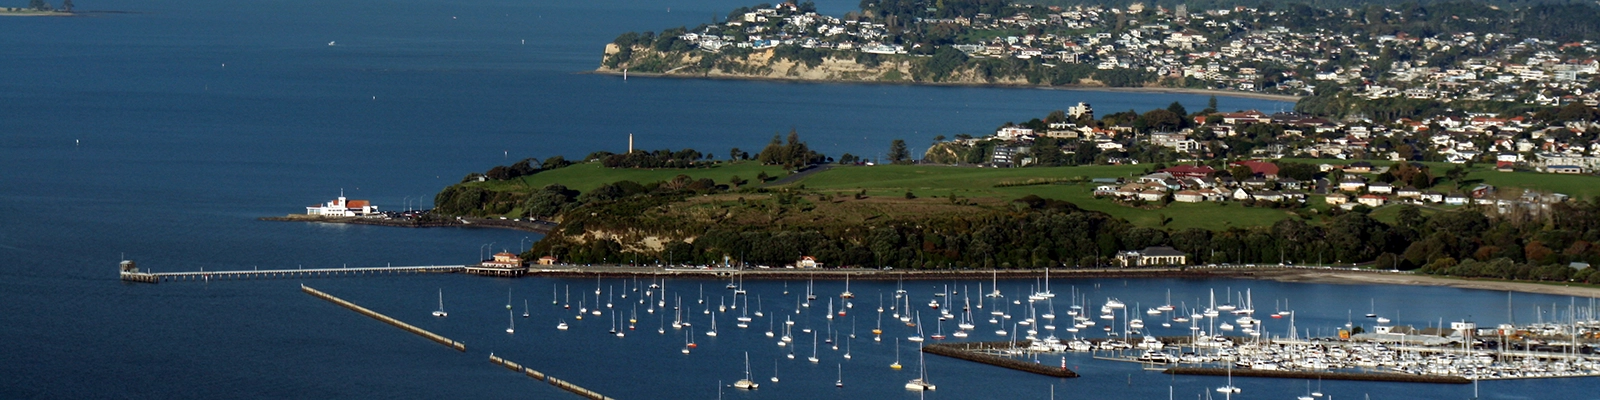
x=1353, y=277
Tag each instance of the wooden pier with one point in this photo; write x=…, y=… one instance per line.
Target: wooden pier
x=391, y=321
x=564, y=385
x=131, y=273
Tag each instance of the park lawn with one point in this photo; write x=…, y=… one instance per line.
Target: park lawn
x=978, y=183
x=1577, y=186
x=585, y=176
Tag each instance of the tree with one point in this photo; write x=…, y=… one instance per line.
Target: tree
x=1177, y=108
x=734, y=154
x=38, y=5
x=898, y=153
x=1211, y=105
x=66, y=5
x=939, y=138
x=1240, y=172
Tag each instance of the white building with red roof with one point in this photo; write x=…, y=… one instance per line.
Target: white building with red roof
x=342, y=207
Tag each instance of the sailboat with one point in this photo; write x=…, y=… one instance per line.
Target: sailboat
x=1373, y=312
x=713, y=331
x=994, y=281
x=1229, y=389
x=774, y=371
x=920, y=383
x=811, y=294
x=896, y=364
x=847, y=294
x=553, y=294
x=513, y=327
x=687, y=340
x=938, y=335
x=846, y=350
x=840, y=382
x=746, y=383
x=440, y=312
x=524, y=308
x=813, y=358
x=918, y=336
x=562, y=326
x=758, y=306
x=568, y=303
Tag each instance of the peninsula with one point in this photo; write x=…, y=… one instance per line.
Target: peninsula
x=1338, y=61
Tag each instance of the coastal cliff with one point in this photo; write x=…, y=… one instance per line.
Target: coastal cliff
x=854, y=67
x=768, y=64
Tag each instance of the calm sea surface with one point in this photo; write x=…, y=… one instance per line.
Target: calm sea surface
x=159, y=135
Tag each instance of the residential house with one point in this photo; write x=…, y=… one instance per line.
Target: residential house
x=1372, y=200
x=1188, y=196
x=1337, y=199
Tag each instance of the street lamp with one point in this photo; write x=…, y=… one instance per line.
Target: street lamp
x=481, y=248
x=521, y=245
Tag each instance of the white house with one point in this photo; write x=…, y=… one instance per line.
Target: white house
x=1372, y=200
x=341, y=207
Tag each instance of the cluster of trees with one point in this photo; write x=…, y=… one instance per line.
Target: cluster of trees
x=527, y=166
x=41, y=5
x=685, y=158
x=791, y=154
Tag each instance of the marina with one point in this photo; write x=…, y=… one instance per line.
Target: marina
x=1252, y=349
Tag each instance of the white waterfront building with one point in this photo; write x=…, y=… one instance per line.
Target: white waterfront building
x=342, y=207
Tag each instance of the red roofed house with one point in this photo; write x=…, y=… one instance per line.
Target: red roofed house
x=342, y=207
x=1265, y=169
x=1190, y=171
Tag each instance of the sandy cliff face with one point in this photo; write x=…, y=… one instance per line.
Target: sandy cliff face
x=764, y=65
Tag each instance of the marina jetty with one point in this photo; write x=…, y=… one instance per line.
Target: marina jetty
x=386, y=319
x=986, y=353
x=553, y=381
x=529, y=225
x=1329, y=375
x=129, y=272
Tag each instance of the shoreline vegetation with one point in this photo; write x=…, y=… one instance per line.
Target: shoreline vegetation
x=26, y=12
x=798, y=79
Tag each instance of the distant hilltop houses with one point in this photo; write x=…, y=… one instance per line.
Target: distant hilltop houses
x=342, y=207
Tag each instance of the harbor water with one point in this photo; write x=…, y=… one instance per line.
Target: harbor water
x=160, y=134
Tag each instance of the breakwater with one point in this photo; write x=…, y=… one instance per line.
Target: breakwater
x=386, y=319
x=973, y=351
x=1342, y=376
x=553, y=381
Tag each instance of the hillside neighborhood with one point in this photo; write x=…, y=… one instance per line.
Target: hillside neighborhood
x=1296, y=50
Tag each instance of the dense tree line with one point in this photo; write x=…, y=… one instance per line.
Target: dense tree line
x=528, y=166
x=790, y=154
x=685, y=158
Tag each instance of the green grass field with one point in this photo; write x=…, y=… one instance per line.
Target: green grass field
x=1577, y=186
x=586, y=176
x=978, y=183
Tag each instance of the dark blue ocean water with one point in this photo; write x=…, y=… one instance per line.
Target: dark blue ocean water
x=159, y=135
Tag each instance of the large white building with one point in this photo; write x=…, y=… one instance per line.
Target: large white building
x=342, y=207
